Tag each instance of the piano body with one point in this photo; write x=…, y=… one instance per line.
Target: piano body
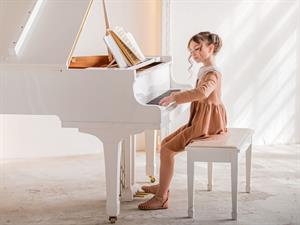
x=109, y=103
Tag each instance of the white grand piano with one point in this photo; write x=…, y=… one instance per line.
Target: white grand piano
x=109, y=103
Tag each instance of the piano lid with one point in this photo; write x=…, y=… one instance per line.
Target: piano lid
x=53, y=30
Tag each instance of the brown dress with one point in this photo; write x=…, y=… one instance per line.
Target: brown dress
x=207, y=113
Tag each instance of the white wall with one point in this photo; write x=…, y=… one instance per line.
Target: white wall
x=259, y=60
x=42, y=136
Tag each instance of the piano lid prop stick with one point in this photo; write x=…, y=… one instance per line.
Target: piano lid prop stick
x=110, y=56
x=111, y=63
x=79, y=32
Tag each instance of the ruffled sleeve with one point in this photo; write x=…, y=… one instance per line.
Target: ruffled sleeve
x=202, y=91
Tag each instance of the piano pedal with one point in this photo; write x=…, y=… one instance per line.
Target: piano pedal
x=140, y=194
x=152, y=179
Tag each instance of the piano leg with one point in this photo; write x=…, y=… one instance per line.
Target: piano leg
x=122, y=168
x=112, y=155
x=130, y=187
x=133, y=154
x=112, y=146
x=151, y=144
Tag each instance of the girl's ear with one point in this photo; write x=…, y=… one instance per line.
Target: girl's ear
x=211, y=48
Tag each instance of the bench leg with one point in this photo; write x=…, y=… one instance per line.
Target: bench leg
x=234, y=182
x=209, y=170
x=248, y=167
x=190, y=178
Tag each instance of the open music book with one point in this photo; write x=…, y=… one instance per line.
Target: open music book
x=123, y=47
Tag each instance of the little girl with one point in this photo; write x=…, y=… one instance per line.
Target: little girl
x=207, y=115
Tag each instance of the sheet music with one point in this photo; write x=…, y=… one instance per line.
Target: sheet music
x=129, y=40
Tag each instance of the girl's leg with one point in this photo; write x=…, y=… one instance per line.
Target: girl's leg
x=160, y=200
x=167, y=161
x=166, y=173
x=153, y=188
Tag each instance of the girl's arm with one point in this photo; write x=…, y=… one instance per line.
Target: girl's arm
x=199, y=93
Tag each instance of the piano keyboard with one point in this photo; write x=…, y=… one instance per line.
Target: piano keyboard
x=156, y=100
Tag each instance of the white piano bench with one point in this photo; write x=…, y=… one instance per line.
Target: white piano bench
x=226, y=150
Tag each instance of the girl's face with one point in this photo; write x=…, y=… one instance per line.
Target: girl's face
x=201, y=52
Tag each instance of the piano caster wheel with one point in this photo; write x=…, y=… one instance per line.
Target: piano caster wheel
x=152, y=179
x=112, y=219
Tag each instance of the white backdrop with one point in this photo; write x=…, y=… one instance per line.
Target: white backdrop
x=259, y=60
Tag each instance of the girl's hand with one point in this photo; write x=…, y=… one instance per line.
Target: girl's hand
x=166, y=100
